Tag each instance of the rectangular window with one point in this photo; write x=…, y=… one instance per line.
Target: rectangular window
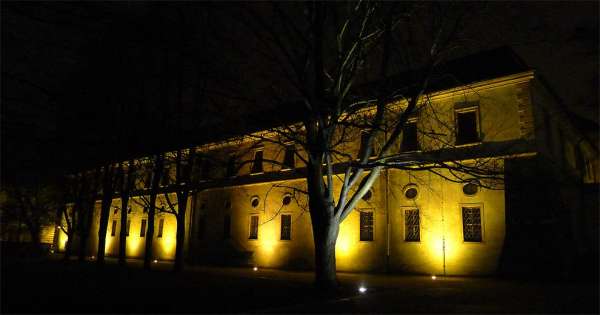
x=366, y=225
x=113, y=230
x=257, y=164
x=143, y=228
x=409, y=138
x=231, y=171
x=289, y=160
x=466, y=127
x=286, y=227
x=471, y=224
x=206, y=167
x=412, y=225
x=227, y=226
x=253, y=227
x=161, y=225
x=127, y=228
x=364, y=139
x=166, y=178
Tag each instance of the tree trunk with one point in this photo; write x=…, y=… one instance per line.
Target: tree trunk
x=325, y=236
x=158, y=165
x=123, y=231
x=68, y=248
x=107, y=196
x=182, y=207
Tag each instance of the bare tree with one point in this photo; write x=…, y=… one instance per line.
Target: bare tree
x=321, y=58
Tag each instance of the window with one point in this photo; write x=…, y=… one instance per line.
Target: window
x=231, y=171
x=166, y=178
x=254, y=201
x=127, y=228
x=143, y=228
x=471, y=189
x=113, y=230
x=253, y=227
x=289, y=159
x=206, y=167
x=466, y=127
x=148, y=178
x=366, y=225
x=411, y=225
x=368, y=195
x=471, y=224
x=409, y=138
x=286, y=227
x=161, y=225
x=411, y=192
x=364, y=139
x=227, y=227
x=257, y=164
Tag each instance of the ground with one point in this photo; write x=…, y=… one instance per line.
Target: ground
x=52, y=286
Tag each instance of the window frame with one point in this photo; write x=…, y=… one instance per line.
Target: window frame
x=250, y=217
x=281, y=227
x=284, y=166
x=481, y=221
x=161, y=227
x=143, y=227
x=406, y=209
x=113, y=230
x=464, y=110
x=360, y=224
x=262, y=159
x=417, y=147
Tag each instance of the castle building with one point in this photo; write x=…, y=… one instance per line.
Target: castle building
x=494, y=107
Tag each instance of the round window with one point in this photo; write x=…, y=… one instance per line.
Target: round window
x=254, y=202
x=287, y=199
x=470, y=189
x=368, y=195
x=411, y=193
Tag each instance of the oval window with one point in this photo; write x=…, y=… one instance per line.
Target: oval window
x=287, y=199
x=411, y=193
x=254, y=202
x=368, y=195
x=470, y=189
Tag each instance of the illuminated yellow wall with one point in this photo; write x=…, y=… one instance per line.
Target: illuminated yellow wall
x=163, y=247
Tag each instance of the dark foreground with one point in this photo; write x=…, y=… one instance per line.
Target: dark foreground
x=51, y=286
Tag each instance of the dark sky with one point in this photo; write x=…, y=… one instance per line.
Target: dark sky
x=71, y=72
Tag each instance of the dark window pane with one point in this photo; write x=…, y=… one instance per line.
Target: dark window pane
x=466, y=127
x=286, y=227
x=143, y=228
x=206, y=168
x=470, y=189
x=227, y=226
x=127, y=229
x=366, y=226
x=411, y=193
x=257, y=164
x=409, y=138
x=411, y=225
x=364, y=138
x=231, y=171
x=289, y=160
x=253, y=227
x=471, y=224
x=161, y=225
x=113, y=230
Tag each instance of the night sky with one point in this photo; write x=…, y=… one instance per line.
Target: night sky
x=86, y=82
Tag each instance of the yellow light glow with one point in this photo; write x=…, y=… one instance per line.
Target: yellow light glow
x=433, y=277
x=255, y=268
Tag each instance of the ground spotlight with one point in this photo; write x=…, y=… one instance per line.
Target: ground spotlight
x=362, y=289
x=255, y=268
x=156, y=261
x=433, y=277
